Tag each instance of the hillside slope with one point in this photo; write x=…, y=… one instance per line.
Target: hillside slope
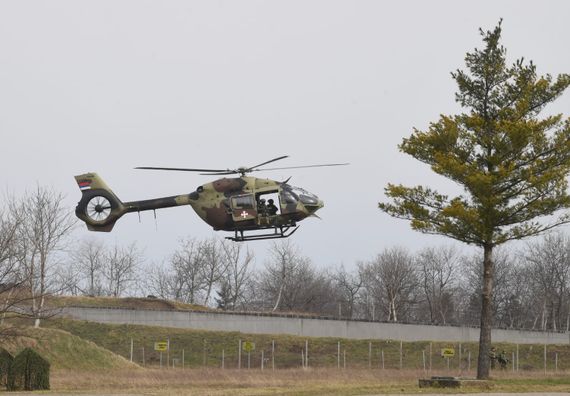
x=199, y=348
x=64, y=350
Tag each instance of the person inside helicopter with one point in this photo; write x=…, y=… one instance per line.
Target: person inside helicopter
x=262, y=207
x=271, y=208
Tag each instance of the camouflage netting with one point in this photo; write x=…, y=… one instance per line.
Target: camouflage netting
x=6, y=360
x=29, y=371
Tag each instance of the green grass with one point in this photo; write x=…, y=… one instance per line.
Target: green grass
x=205, y=349
x=63, y=350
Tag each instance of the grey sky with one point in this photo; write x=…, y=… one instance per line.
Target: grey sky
x=109, y=85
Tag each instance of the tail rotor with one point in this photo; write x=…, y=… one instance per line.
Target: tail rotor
x=99, y=207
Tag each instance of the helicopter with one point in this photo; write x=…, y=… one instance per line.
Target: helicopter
x=228, y=204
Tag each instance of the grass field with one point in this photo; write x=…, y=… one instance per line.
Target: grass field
x=205, y=349
x=81, y=363
x=284, y=382
x=95, y=358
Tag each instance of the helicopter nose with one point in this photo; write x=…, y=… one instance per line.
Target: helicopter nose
x=313, y=207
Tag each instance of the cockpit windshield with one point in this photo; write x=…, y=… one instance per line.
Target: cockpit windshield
x=303, y=195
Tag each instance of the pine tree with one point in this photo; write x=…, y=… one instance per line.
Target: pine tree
x=29, y=371
x=511, y=164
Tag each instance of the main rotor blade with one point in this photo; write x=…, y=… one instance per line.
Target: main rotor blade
x=298, y=167
x=220, y=173
x=182, y=169
x=266, y=162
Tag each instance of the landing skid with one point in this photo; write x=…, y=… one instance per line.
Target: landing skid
x=278, y=232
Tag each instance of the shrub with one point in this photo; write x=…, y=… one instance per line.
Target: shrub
x=29, y=371
x=6, y=360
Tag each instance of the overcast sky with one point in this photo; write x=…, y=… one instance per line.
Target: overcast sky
x=105, y=86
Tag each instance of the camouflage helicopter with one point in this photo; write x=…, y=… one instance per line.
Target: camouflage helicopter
x=228, y=204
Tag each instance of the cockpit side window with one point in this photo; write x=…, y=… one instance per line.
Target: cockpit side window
x=243, y=202
x=288, y=197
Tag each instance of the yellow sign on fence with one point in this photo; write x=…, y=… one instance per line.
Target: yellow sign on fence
x=161, y=346
x=447, y=352
x=248, y=346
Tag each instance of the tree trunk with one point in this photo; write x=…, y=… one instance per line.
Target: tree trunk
x=483, y=363
x=278, y=298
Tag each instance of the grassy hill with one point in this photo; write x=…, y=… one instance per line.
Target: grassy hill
x=62, y=349
x=80, y=353
x=206, y=348
x=124, y=302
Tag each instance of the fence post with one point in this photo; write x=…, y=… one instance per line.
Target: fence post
x=469, y=361
x=556, y=361
x=144, y=364
x=306, y=353
x=513, y=358
x=338, y=356
x=544, y=358
x=344, y=358
x=460, y=367
x=131, y=349
x=223, y=359
x=302, y=358
x=182, y=359
x=400, y=354
x=424, y=359
x=273, y=354
x=369, y=354
x=239, y=355
x=167, y=351
x=430, y=351
x=382, y=353
x=517, y=357
x=262, y=360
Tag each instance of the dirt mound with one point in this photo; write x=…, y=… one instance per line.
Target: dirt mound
x=62, y=349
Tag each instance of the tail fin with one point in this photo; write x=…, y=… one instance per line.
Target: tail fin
x=99, y=207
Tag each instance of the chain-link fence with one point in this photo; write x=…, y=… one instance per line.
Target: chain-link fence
x=265, y=352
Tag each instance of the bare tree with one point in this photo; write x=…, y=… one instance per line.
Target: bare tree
x=504, y=285
x=120, y=268
x=348, y=286
x=438, y=275
x=214, y=265
x=548, y=266
x=183, y=280
x=45, y=225
x=12, y=278
x=87, y=267
x=289, y=282
x=237, y=275
x=285, y=259
x=392, y=280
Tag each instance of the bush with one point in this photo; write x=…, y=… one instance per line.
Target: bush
x=29, y=371
x=6, y=360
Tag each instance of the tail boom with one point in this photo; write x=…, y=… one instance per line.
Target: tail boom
x=100, y=208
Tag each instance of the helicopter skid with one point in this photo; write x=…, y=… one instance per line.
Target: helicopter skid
x=278, y=232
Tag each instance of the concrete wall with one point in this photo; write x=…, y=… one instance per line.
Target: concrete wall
x=308, y=327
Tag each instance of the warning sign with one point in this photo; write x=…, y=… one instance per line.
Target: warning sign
x=447, y=352
x=248, y=346
x=161, y=346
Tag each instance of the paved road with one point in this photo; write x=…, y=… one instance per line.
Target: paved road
x=412, y=394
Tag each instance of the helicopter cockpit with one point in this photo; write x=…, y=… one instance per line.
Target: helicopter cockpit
x=300, y=194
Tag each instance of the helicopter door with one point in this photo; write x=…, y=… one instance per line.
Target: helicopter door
x=243, y=208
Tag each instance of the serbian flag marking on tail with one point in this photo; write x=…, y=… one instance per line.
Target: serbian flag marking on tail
x=84, y=184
